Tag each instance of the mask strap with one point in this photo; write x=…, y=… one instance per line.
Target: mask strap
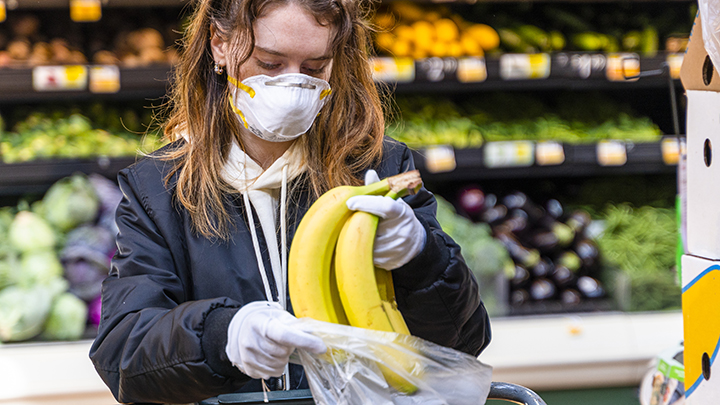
x=249, y=90
x=237, y=111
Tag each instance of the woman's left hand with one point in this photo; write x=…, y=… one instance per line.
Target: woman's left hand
x=400, y=236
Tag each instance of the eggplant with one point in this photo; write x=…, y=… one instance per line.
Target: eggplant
x=562, y=276
x=542, y=289
x=518, y=252
x=590, y=287
x=472, y=201
x=519, y=297
x=570, y=296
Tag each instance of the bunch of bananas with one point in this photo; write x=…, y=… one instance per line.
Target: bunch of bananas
x=331, y=276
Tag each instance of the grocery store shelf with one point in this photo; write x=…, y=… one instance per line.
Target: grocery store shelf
x=16, y=86
x=565, y=71
x=540, y=352
x=579, y=161
x=37, y=176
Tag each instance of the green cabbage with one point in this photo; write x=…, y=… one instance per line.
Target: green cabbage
x=38, y=267
x=67, y=319
x=70, y=202
x=24, y=311
x=29, y=232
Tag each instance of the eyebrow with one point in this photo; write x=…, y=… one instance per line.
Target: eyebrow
x=278, y=53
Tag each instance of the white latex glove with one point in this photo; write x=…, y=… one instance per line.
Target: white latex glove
x=261, y=337
x=400, y=236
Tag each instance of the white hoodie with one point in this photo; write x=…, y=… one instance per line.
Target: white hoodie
x=264, y=190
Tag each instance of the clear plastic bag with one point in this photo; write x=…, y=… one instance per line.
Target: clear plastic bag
x=710, y=14
x=368, y=367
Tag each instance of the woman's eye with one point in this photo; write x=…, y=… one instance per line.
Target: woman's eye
x=267, y=66
x=314, y=71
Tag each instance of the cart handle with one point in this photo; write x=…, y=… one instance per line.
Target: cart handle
x=514, y=393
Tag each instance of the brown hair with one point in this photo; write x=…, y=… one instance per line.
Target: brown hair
x=345, y=138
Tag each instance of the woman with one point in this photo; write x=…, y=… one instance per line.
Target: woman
x=274, y=104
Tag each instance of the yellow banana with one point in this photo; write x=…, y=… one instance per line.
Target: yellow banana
x=311, y=252
x=368, y=295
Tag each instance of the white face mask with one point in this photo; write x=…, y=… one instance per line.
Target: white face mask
x=280, y=108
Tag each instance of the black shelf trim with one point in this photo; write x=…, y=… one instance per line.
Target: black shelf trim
x=581, y=160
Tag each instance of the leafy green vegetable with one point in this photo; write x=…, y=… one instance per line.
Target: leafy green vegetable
x=38, y=267
x=67, y=318
x=640, y=243
x=29, y=232
x=23, y=311
x=70, y=202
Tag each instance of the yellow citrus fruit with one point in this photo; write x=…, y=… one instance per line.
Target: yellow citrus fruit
x=401, y=48
x=385, y=40
x=470, y=45
x=446, y=30
x=439, y=49
x=424, y=33
x=432, y=16
x=407, y=10
x=419, y=53
x=405, y=32
x=485, y=35
x=455, y=49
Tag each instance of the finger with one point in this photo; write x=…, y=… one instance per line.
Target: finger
x=290, y=337
x=384, y=207
x=371, y=177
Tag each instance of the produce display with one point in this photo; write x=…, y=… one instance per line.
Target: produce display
x=425, y=120
x=639, y=243
x=554, y=258
x=54, y=254
x=486, y=256
x=410, y=29
x=35, y=39
x=55, y=135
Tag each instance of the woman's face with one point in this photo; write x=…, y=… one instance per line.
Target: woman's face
x=288, y=39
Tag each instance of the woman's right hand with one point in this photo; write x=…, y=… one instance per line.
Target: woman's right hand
x=261, y=338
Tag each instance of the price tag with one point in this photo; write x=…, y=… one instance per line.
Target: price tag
x=59, y=78
x=674, y=61
x=520, y=66
x=400, y=70
x=582, y=65
x=471, y=70
x=622, y=67
x=549, y=153
x=3, y=11
x=670, y=147
x=440, y=159
x=85, y=10
x=105, y=79
x=437, y=69
x=611, y=153
x=508, y=154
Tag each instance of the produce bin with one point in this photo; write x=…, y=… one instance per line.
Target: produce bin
x=498, y=390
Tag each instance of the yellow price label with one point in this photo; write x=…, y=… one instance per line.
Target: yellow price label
x=60, y=78
x=471, y=70
x=622, y=67
x=670, y=147
x=520, y=66
x=549, y=153
x=3, y=11
x=509, y=154
x=399, y=70
x=674, y=61
x=104, y=79
x=440, y=158
x=611, y=153
x=85, y=10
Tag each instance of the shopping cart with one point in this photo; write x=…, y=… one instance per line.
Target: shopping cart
x=498, y=390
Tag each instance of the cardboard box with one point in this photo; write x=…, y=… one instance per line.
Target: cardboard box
x=702, y=82
x=701, y=323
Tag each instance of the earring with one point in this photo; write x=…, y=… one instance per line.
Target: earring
x=218, y=69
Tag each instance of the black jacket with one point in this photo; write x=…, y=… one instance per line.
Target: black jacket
x=170, y=295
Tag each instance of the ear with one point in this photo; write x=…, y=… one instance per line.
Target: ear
x=218, y=46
